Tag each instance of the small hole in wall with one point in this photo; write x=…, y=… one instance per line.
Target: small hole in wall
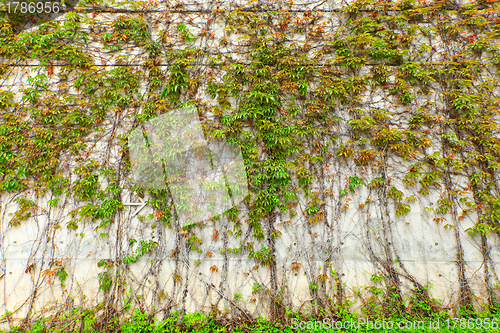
x=294, y=244
x=436, y=243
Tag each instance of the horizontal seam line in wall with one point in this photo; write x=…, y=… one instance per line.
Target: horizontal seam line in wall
x=208, y=65
x=222, y=258
x=250, y=10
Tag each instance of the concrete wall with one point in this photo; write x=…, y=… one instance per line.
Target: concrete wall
x=360, y=236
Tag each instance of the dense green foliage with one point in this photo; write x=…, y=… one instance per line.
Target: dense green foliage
x=140, y=322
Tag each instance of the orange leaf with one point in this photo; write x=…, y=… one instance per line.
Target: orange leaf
x=48, y=272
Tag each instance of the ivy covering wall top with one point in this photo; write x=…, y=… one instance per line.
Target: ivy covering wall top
x=369, y=132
